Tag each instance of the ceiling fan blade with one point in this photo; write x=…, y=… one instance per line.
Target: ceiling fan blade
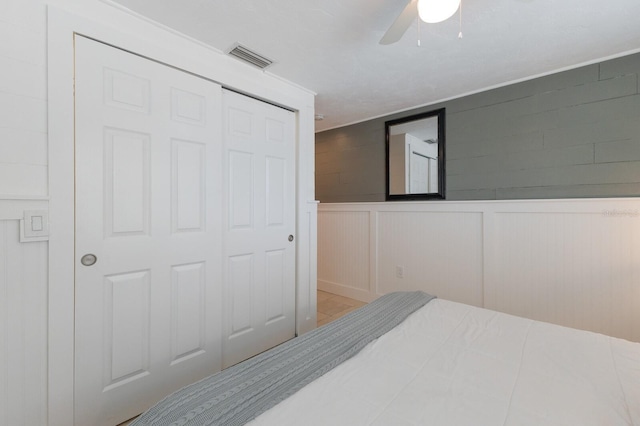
x=401, y=24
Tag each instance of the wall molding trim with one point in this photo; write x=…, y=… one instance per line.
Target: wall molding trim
x=571, y=262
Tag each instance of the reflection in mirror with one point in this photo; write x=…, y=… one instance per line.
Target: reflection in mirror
x=415, y=156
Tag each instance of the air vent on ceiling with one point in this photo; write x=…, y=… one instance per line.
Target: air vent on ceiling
x=246, y=55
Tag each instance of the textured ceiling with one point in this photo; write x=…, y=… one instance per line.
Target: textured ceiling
x=331, y=46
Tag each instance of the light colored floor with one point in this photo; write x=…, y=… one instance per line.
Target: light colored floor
x=330, y=307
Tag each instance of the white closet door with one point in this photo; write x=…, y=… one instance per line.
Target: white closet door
x=148, y=191
x=259, y=222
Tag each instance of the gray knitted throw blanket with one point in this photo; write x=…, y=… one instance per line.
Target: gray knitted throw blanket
x=241, y=393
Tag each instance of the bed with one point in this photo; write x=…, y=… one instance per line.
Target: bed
x=443, y=363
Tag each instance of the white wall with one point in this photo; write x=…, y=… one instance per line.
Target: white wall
x=569, y=262
x=36, y=172
x=23, y=99
x=23, y=328
x=23, y=177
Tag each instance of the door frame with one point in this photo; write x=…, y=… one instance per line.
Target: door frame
x=116, y=26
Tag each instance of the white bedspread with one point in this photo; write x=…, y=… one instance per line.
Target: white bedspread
x=451, y=364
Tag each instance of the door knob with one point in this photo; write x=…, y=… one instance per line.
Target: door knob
x=88, y=259
x=290, y=238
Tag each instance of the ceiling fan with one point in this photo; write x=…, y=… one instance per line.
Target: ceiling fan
x=430, y=11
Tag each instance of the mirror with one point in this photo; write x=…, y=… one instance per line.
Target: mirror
x=415, y=157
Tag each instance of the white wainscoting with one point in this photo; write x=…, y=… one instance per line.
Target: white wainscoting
x=23, y=326
x=570, y=262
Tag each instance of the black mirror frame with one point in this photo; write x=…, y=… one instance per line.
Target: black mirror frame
x=440, y=195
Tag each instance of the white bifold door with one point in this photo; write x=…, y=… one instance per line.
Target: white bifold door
x=259, y=226
x=148, y=232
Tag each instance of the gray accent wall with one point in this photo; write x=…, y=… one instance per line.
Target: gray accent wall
x=571, y=134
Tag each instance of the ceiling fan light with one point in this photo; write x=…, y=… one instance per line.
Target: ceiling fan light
x=433, y=11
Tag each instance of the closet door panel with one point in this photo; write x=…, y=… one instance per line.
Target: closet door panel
x=148, y=160
x=259, y=225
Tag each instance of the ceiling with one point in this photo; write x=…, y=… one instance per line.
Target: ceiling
x=331, y=46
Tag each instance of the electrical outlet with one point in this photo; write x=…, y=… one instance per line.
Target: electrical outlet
x=400, y=271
